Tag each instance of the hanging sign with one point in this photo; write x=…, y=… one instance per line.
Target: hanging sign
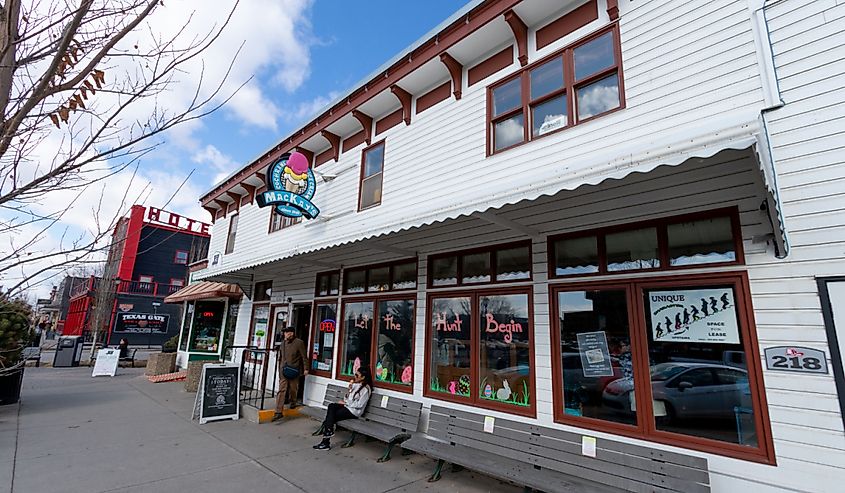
x=218, y=396
x=796, y=359
x=595, y=357
x=694, y=315
x=290, y=187
x=106, y=362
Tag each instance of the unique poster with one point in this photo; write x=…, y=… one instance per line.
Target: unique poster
x=693, y=315
x=141, y=322
x=595, y=357
x=106, y=363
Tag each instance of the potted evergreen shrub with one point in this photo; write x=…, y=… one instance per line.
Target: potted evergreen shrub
x=170, y=345
x=15, y=333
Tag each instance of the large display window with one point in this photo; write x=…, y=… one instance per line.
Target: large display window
x=208, y=326
x=685, y=345
x=379, y=333
x=480, y=349
x=323, y=338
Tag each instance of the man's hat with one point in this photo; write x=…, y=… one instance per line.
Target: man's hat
x=289, y=329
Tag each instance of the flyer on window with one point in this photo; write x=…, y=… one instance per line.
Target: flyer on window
x=694, y=315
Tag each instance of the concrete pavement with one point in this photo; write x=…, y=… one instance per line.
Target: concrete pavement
x=73, y=433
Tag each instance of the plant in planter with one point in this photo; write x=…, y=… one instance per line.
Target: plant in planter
x=15, y=332
x=170, y=345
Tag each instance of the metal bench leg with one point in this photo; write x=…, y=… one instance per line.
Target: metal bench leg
x=386, y=456
x=436, y=476
x=407, y=452
x=351, y=440
x=319, y=431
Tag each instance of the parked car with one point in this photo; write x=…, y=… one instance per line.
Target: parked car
x=687, y=390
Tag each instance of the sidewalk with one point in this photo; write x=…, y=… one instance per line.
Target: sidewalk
x=74, y=433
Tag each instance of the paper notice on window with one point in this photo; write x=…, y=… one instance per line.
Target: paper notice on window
x=489, y=424
x=588, y=446
x=328, y=339
x=384, y=399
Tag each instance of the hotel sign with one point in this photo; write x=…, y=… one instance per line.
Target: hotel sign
x=173, y=220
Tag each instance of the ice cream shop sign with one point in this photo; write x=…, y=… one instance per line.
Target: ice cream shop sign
x=290, y=187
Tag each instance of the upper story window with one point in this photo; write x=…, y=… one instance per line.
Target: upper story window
x=503, y=263
x=706, y=238
x=372, y=171
x=233, y=231
x=397, y=276
x=577, y=83
x=278, y=221
x=181, y=257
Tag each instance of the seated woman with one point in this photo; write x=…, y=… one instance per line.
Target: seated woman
x=351, y=407
x=124, y=348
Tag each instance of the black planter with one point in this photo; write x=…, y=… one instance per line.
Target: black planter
x=10, y=386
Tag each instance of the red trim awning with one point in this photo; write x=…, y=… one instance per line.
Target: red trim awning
x=204, y=290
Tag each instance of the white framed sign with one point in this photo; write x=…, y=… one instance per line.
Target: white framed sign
x=218, y=395
x=106, y=363
x=693, y=315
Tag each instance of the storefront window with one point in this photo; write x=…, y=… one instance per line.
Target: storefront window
x=513, y=264
x=322, y=344
x=327, y=283
x=701, y=242
x=576, y=256
x=699, y=385
x=394, y=345
x=632, y=250
x=597, y=374
x=476, y=268
x=404, y=276
x=186, y=326
x=355, y=281
x=379, y=279
x=504, y=360
x=208, y=324
x=357, y=336
x=444, y=271
x=450, y=331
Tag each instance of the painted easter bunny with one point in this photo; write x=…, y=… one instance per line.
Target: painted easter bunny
x=504, y=393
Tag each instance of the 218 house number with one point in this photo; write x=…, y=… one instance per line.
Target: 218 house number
x=796, y=359
x=807, y=363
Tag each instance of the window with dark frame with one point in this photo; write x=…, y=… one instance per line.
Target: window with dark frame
x=489, y=265
x=279, y=222
x=233, y=231
x=328, y=284
x=686, y=344
x=177, y=282
x=379, y=333
x=381, y=278
x=180, y=257
x=707, y=238
x=323, y=338
x=577, y=83
x=480, y=349
x=263, y=291
x=372, y=172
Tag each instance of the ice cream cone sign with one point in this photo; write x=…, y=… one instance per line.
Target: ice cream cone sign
x=290, y=187
x=296, y=173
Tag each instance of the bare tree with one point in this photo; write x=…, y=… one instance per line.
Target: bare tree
x=75, y=80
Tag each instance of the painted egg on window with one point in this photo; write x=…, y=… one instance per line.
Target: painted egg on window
x=488, y=390
x=463, y=384
x=379, y=369
x=407, y=374
x=356, y=364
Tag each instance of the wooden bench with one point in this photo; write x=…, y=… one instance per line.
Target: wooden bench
x=130, y=358
x=392, y=424
x=551, y=460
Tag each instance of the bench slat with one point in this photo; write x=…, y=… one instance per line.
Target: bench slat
x=604, y=444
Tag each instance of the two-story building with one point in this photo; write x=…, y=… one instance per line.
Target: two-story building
x=558, y=210
x=148, y=259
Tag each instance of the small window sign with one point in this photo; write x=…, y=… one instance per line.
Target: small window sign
x=796, y=359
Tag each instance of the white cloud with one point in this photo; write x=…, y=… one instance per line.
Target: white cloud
x=308, y=109
x=219, y=162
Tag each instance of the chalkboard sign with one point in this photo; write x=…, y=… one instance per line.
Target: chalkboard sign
x=218, y=396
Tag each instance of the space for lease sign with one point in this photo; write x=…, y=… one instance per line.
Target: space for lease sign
x=694, y=315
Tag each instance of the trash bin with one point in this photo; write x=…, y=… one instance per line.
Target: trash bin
x=68, y=351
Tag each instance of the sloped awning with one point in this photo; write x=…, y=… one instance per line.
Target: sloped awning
x=666, y=149
x=204, y=290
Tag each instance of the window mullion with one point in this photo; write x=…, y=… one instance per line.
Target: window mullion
x=569, y=83
x=639, y=348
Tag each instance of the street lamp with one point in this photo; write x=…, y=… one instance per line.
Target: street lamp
x=155, y=304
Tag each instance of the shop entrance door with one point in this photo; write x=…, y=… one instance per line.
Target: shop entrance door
x=301, y=322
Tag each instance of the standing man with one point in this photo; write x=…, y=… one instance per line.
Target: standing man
x=291, y=362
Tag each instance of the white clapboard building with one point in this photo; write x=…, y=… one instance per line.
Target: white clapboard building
x=553, y=210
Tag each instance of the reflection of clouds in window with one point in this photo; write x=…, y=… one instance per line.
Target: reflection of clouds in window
x=598, y=97
x=509, y=132
x=594, y=56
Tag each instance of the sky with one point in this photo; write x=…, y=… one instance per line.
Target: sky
x=295, y=57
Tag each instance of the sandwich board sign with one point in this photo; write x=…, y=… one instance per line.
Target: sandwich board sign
x=106, y=363
x=218, y=395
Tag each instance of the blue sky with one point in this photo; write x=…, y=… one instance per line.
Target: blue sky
x=348, y=40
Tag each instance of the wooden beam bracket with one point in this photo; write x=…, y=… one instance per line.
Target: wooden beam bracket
x=222, y=205
x=366, y=121
x=334, y=141
x=613, y=9
x=520, y=34
x=404, y=98
x=456, y=70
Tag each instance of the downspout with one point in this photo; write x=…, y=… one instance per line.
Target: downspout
x=773, y=101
